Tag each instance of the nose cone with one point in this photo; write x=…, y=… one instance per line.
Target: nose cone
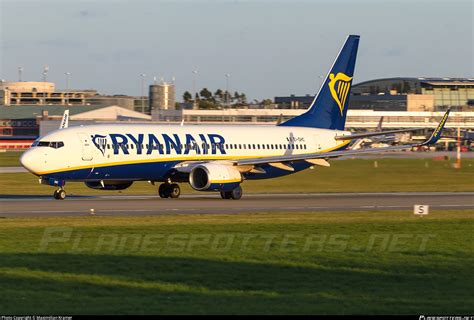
x=29, y=161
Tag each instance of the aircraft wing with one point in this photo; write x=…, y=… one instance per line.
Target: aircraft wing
x=372, y=134
x=324, y=155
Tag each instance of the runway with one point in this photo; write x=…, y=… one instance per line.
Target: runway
x=44, y=206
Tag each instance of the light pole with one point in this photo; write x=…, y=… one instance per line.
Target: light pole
x=143, y=91
x=458, y=149
x=227, y=93
x=45, y=73
x=320, y=80
x=45, y=78
x=67, y=87
x=20, y=71
x=195, y=72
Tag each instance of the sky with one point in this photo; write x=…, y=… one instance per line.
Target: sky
x=269, y=48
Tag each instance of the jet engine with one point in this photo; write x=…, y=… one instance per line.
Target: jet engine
x=214, y=177
x=108, y=185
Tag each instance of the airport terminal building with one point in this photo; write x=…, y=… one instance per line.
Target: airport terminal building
x=401, y=94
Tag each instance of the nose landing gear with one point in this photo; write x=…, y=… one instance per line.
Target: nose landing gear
x=169, y=190
x=59, y=194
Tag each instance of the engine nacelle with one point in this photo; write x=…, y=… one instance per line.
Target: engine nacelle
x=214, y=177
x=108, y=185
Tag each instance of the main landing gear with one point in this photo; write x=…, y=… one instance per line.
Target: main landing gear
x=169, y=190
x=59, y=194
x=235, y=194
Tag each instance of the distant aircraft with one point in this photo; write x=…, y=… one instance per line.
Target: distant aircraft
x=381, y=140
x=210, y=158
x=465, y=135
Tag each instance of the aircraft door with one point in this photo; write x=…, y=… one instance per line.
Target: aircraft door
x=86, y=146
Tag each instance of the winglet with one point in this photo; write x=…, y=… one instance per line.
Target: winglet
x=65, y=120
x=437, y=133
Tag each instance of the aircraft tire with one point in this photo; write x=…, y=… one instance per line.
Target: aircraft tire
x=174, y=191
x=59, y=194
x=226, y=195
x=236, y=194
x=163, y=190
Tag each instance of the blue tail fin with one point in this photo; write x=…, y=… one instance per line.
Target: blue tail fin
x=329, y=108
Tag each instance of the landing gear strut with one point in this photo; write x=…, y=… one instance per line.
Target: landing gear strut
x=59, y=194
x=235, y=194
x=169, y=190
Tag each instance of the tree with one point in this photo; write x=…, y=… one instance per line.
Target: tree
x=187, y=96
x=236, y=96
x=227, y=97
x=206, y=94
x=219, y=94
x=243, y=98
x=203, y=104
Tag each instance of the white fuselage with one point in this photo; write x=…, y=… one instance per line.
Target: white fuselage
x=111, y=151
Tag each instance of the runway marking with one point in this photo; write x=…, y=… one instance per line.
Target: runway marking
x=109, y=211
x=456, y=205
x=247, y=196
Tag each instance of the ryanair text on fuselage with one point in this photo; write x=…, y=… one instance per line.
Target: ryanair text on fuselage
x=162, y=144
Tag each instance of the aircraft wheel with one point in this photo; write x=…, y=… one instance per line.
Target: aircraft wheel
x=59, y=194
x=163, y=190
x=174, y=191
x=226, y=194
x=236, y=194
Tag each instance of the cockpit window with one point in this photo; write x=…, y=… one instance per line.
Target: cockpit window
x=52, y=144
x=56, y=145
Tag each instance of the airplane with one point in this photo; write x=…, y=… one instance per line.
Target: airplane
x=215, y=158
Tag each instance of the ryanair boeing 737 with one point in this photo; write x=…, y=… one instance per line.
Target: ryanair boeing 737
x=209, y=157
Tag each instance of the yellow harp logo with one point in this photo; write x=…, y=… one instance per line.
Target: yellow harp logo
x=339, y=86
